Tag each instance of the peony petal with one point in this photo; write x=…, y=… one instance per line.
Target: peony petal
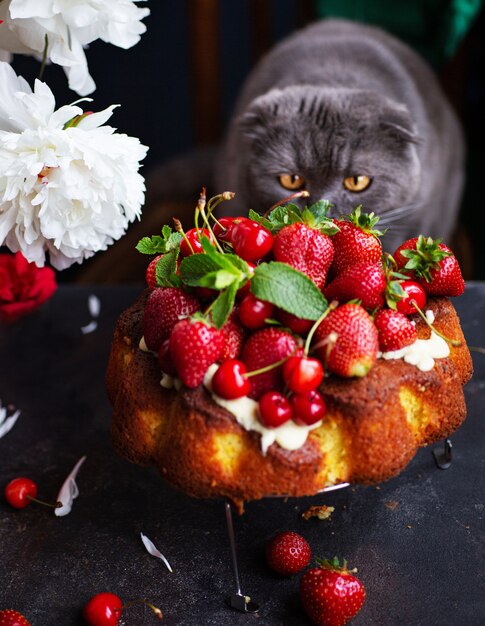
x=69, y=491
x=151, y=549
x=89, y=328
x=94, y=305
x=7, y=423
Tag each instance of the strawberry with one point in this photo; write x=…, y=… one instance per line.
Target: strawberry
x=357, y=239
x=164, y=308
x=233, y=337
x=8, y=617
x=363, y=281
x=288, y=553
x=263, y=348
x=432, y=264
x=347, y=341
x=331, y=595
x=151, y=272
x=194, y=345
x=306, y=249
x=395, y=330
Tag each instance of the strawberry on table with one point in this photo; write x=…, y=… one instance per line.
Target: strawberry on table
x=346, y=341
x=363, y=281
x=330, y=594
x=432, y=264
x=288, y=553
x=395, y=330
x=9, y=617
x=194, y=346
x=357, y=239
x=164, y=307
x=306, y=248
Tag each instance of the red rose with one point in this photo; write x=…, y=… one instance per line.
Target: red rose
x=23, y=286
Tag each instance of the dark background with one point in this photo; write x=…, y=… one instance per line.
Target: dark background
x=170, y=104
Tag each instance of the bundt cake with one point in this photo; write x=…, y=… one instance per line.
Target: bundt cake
x=392, y=383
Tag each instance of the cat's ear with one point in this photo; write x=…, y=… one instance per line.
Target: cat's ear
x=399, y=125
x=252, y=124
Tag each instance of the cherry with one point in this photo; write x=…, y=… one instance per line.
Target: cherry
x=223, y=227
x=308, y=408
x=242, y=291
x=230, y=382
x=205, y=293
x=20, y=492
x=413, y=292
x=295, y=324
x=165, y=359
x=274, y=409
x=251, y=241
x=302, y=374
x=253, y=313
x=104, y=609
x=193, y=237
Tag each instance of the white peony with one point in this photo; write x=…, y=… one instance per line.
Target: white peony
x=69, y=26
x=70, y=191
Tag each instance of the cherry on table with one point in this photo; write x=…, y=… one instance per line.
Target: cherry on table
x=105, y=609
x=414, y=293
x=20, y=492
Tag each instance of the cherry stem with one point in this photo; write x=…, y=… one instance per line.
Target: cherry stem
x=201, y=210
x=298, y=194
x=333, y=305
x=128, y=605
x=453, y=342
x=52, y=506
x=179, y=229
x=268, y=368
x=476, y=349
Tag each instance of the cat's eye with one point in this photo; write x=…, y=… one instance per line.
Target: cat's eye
x=357, y=183
x=291, y=181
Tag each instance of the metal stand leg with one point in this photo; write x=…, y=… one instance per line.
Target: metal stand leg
x=237, y=600
x=442, y=457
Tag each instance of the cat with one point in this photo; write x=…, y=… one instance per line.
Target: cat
x=352, y=115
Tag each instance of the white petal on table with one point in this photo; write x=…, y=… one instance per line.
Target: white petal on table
x=154, y=551
x=69, y=491
x=89, y=328
x=7, y=423
x=94, y=305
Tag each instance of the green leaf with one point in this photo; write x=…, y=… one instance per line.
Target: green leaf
x=288, y=289
x=217, y=280
x=194, y=267
x=256, y=217
x=160, y=245
x=320, y=209
x=223, y=305
x=166, y=268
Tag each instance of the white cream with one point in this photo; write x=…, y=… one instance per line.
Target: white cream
x=142, y=345
x=170, y=382
x=289, y=436
x=423, y=352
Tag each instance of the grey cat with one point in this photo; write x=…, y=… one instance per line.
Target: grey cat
x=354, y=116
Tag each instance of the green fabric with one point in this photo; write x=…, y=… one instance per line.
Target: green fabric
x=434, y=28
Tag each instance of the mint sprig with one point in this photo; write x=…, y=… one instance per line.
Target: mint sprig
x=157, y=244
x=289, y=289
x=166, y=268
x=314, y=216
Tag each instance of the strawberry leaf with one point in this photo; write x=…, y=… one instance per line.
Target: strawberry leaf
x=160, y=244
x=260, y=219
x=425, y=257
x=288, y=289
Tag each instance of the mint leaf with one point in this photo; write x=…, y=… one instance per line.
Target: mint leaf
x=165, y=269
x=219, y=279
x=223, y=305
x=194, y=267
x=160, y=245
x=288, y=289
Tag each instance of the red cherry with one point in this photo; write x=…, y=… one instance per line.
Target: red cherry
x=253, y=313
x=302, y=374
x=224, y=226
x=205, y=293
x=242, y=291
x=308, y=408
x=274, y=409
x=104, y=609
x=19, y=492
x=230, y=382
x=251, y=241
x=165, y=359
x=193, y=236
x=413, y=292
x=295, y=324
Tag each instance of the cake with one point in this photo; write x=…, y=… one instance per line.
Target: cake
x=376, y=415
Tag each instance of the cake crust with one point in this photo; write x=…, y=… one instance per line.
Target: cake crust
x=372, y=429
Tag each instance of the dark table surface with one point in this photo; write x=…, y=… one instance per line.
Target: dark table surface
x=417, y=540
